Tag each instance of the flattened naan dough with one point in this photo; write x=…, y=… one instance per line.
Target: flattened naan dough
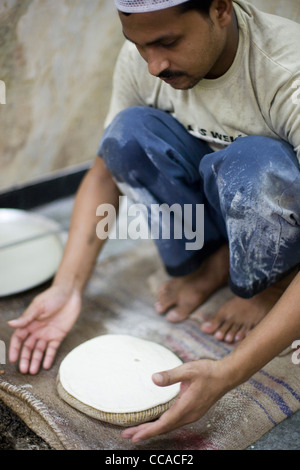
x=110, y=378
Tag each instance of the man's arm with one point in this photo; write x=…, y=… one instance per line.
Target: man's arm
x=42, y=327
x=204, y=382
x=83, y=246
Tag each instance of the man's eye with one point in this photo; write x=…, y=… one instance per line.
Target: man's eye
x=169, y=44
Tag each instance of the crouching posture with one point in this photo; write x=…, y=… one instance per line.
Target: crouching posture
x=203, y=112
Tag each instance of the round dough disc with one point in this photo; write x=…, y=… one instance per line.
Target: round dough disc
x=110, y=378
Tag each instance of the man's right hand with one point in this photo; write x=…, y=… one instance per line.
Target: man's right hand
x=40, y=330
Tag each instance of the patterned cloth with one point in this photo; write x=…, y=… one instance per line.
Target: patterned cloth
x=121, y=301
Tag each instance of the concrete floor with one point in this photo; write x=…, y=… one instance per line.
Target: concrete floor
x=285, y=436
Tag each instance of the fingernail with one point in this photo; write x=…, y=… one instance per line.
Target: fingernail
x=23, y=367
x=158, y=378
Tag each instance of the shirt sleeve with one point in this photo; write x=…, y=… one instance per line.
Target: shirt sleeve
x=125, y=91
x=285, y=113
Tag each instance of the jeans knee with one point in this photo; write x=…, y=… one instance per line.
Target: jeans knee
x=142, y=139
x=119, y=146
x=253, y=159
x=254, y=173
x=260, y=154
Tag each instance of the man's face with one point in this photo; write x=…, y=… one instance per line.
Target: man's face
x=180, y=48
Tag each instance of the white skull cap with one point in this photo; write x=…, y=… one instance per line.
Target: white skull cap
x=144, y=6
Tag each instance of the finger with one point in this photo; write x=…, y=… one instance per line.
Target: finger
x=170, y=420
x=143, y=432
x=25, y=356
x=172, y=376
x=130, y=432
x=178, y=415
x=50, y=354
x=37, y=356
x=146, y=430
x=39, y=307
x=16, y=343
x=34, y=310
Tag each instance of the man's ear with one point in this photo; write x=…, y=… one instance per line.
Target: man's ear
x=221, y=12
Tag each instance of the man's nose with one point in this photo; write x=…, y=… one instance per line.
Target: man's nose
x=157, y=63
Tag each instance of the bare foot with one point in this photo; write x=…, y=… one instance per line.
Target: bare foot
x=237, y=317
x=181, y=296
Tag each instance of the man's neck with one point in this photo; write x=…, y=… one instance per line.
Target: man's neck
x=229, y=51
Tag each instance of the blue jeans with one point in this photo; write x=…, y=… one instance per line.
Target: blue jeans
x=250, y=191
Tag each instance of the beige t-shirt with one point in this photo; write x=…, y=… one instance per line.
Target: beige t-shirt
x=258, y=95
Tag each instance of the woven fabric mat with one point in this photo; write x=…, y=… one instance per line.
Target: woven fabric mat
x=119, y=300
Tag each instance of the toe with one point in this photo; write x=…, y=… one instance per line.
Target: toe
x=231, y=334
x=214, y=324
x=178, y=314
x=224, y=331
x=242, y=333
x=166, y=298
x=210, y=326
x=187, y=303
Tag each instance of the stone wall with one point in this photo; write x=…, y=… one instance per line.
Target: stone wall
x=288, y=8
x=56, y=58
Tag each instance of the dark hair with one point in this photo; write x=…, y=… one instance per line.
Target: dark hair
x=203, y=6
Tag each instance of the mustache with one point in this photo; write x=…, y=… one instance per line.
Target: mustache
x=170, y=74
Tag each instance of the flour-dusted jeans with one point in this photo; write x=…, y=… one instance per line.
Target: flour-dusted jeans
x=250, y=192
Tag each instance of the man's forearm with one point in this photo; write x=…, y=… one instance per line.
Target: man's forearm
x=270, y=337
x=83, y=246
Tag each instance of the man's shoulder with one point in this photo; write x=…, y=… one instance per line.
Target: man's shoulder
x=272, y=38
x=130, y=55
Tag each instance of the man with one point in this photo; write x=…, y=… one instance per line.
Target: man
x=203, y=112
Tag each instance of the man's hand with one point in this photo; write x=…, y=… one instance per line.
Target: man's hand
x=42, y=327
x=202, y=384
